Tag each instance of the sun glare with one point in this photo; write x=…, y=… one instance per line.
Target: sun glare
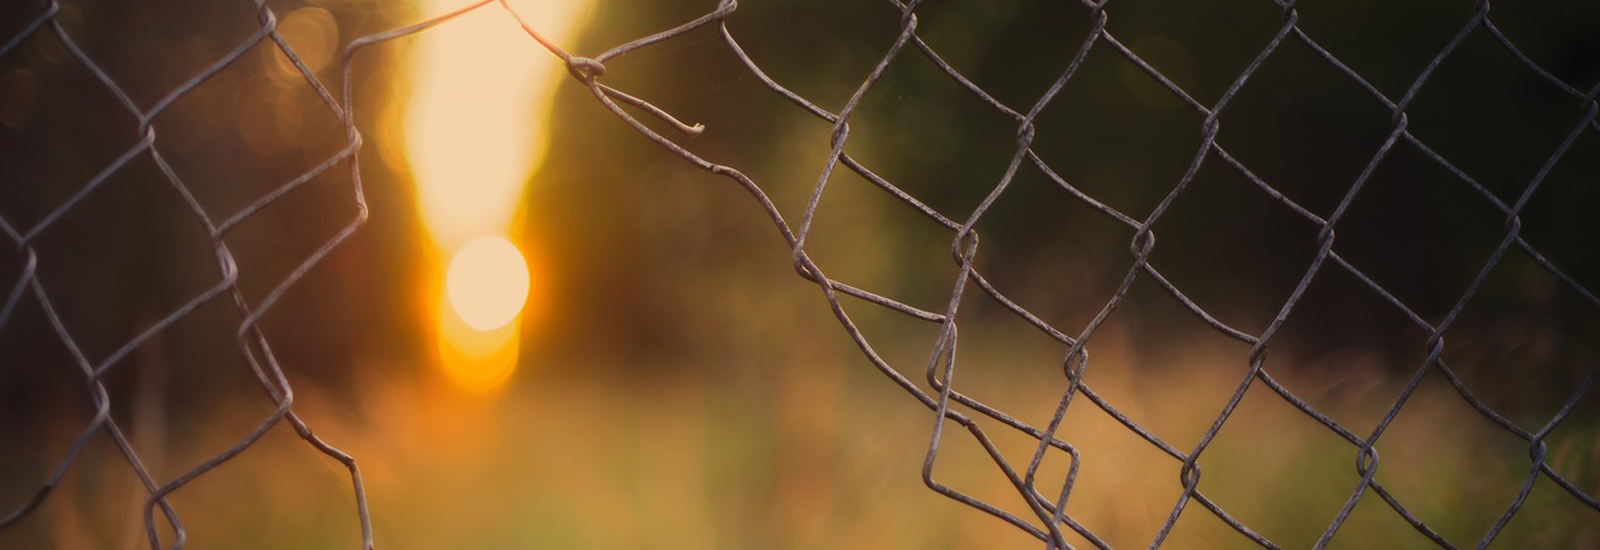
x=475, y=124
x=474, y=359
x=487, y=282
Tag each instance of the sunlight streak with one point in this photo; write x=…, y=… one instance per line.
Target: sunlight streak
x=474, y=128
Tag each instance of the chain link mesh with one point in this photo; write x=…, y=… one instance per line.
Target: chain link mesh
x=1046, y=518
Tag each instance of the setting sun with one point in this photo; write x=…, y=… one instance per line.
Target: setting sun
x=475, y=130
x=487, y=282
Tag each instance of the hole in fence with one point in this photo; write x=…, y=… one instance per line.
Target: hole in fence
x=474, y=137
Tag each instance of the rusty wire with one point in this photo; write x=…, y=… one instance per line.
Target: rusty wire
x=1048, y=509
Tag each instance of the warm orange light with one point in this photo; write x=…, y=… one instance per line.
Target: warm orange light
x=476, y=119
x=487, y=282
x=477, y=360
x=475, y=127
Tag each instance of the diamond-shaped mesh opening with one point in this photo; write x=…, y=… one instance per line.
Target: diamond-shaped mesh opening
x=285, y=125
x=1507, y=348
x=1387, y=44
x=1411, y=264
x=997, y=44
x=1110, y=146
x=1472, y=456
x=123, y=42
x=88, y=260
x=1211, y=265
x=38, y=179
x=1554, y=215
x=1073, y=250
x=1243, y=468
x=1327, y=122
x=1179, y=51
x=1518, y=118
x=1557, y=58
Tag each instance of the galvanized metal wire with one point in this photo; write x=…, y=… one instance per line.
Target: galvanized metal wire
x=1047, y=518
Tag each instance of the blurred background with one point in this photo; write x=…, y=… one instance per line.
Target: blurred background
x=554, y=333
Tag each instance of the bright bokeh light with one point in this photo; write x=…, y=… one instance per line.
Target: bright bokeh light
x=474, y=359
x=480, y=91
x=487, y=282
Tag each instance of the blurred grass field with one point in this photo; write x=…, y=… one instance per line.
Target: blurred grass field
x=809, y=449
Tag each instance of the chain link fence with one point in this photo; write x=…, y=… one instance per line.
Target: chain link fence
x=1046, y=516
